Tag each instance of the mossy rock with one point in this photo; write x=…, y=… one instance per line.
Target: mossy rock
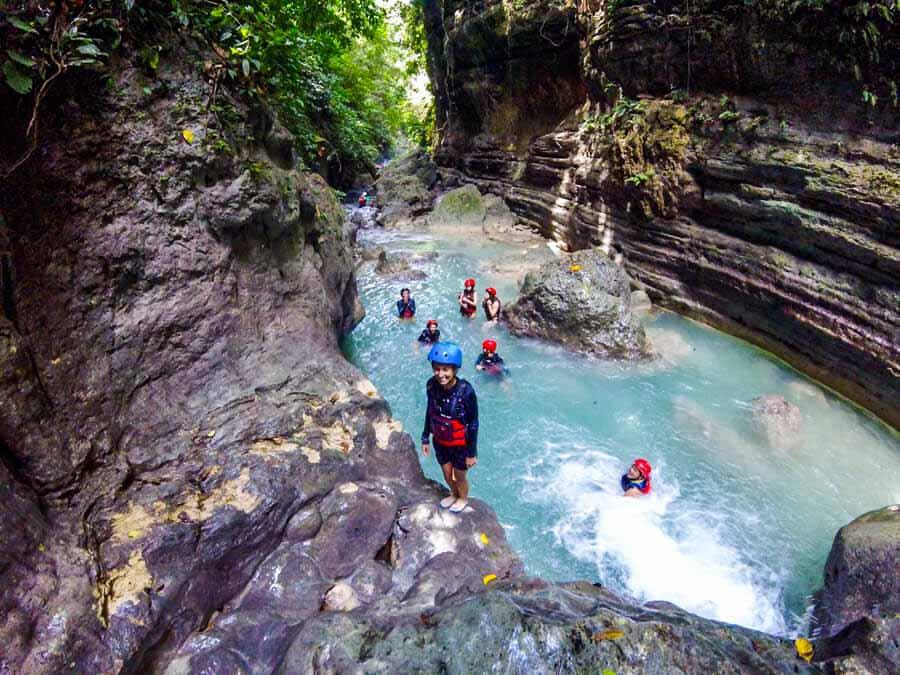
x=463, y=206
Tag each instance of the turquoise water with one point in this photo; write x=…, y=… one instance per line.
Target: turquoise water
x=734, y=530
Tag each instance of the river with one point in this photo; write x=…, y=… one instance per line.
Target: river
x=734, y=530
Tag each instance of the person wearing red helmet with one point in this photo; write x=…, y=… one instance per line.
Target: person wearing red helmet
x=431, y=334
x=491, y=304
x=637, y=481
x=468, y=301
x=489, y=360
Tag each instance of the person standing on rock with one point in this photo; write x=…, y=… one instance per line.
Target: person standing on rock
x=451, y=417
x=468, y=301
x=491, y=304
x=431, y=334
x=637, y=481
x=406, y=306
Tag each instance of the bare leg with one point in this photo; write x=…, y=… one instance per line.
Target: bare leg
x=462, y=485
x=448, y=478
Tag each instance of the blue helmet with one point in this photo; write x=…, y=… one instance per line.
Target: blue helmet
x=446, y=353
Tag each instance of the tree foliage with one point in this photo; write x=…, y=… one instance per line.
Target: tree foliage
x=329, y=66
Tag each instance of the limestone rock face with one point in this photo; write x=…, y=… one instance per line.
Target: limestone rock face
x=727, y=169
x=582, y=301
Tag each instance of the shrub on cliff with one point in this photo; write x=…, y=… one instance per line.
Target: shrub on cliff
x=328, y=66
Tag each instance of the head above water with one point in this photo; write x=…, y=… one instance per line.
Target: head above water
x=469, y=284
x=432, y=324
x=446, y=359
x=491, y=291
x=446, y=354
x=640, y=470
x=404, y=293
x=489, y=346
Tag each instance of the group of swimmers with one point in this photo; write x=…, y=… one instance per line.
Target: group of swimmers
x=451, y=413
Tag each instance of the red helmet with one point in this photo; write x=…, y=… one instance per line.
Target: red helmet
x=644, y=467
x=491, y=291
x=469, y=282
x=432, y=322
x=489, y=345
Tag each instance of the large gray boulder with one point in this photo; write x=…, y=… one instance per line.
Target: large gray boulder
x=405, y=188
x=857, y=613
x=582, y=301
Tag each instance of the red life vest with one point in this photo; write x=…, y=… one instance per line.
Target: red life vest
x=407, y=313
x=447, y=430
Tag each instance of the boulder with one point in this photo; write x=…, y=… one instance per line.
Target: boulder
x=777, y=419
x=640, y=301
x=857, y=613
x=582, y=301
x=369, y=252
x=396, y=266
x=404, y=188
x=364, y=217
x=862, y=577
x=462, y=207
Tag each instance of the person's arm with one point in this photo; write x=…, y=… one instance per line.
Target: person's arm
x=399, y=307
x=426, y=431
x=471, y=406
x=632, y=492
x=412, y=305
x=478, y=361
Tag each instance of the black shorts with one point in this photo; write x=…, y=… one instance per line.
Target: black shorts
x=454, y=456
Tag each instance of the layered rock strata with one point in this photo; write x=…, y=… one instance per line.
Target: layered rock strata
x=730, y=170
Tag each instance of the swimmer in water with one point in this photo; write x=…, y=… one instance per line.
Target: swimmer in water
x=451, y=417
x=637, y=481
x=406, y=306
x=489, y=360
x=468, y=301
x=491, y=305
x=431, y=334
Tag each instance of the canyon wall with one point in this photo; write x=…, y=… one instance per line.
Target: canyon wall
x=735, y=173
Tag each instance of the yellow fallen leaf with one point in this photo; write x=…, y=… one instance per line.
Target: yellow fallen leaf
x=607, y=635
x=575, y=268
x=187, y=135
x=56, y=361
x=134, y=534
x=484, y=539
x=211, y=434
x=804, y=649
x=488, y=578
x=41, y=548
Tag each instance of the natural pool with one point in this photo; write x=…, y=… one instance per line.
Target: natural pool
x=734, y=530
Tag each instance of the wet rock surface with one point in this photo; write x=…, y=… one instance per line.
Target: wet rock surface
x=778, y=420
x=397, y=266
x=582, y=301
x=857, y=614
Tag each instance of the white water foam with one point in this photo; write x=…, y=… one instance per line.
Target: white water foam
x=655, y=551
